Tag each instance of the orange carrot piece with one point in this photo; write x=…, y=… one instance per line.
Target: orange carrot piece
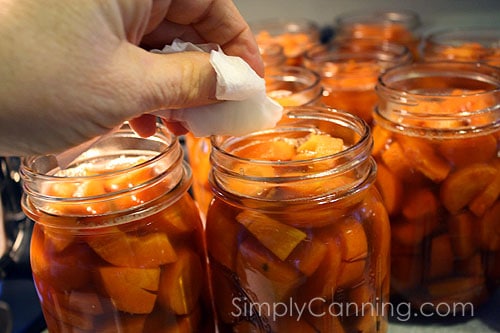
x=307, y=256
x=319, y=145
x=381, y=139
x=131, y=289
x=421, y=206
x=281, y=239
x=323, y=283
x=353, y=239
x=484, y=200
x=181, y=283
x=395, y=160
x=463, y=185
x=461, y=152
x=273, y=150
x=423, y=157
x=121, y=249
x=391, y=189
x=270, y=279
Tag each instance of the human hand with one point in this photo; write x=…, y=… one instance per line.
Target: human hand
x=72, y=70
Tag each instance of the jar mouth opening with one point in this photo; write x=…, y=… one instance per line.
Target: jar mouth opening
x=442, y=96
x=299, y=176
x=120, y=165
x=306, y=119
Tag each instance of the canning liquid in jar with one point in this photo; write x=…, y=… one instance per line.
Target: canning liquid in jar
x=297, y=234
x=117, y=244
x=437, y=139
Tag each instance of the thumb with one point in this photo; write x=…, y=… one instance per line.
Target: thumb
x=167, y=81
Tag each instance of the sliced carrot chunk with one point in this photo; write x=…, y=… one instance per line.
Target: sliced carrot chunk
x=131, y=288
x=484, y=200
x=180, y=218
x=463, y=185
x=319, y=145
x=121, y=249
x=353, y=239
x=271, y=150
x=279, y=238
x=324, y=281
x=66, y=271
x=381, y=139
x=395, y=160
x=409, y=234
x=181, y=283
x=391, y=189
x=270, y=279
x=461, y=152
x=307, y=256
x=421, y=206
x=423, y=157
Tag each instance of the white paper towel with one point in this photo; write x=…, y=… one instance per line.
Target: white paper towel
x=244, y=105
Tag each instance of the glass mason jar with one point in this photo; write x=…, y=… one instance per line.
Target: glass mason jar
x=297, y=223
x=294, y=35
x=289, y=86
x=463, y=44
x=436, y=142
x=349, y=72
x=397, y=26
x=117, y=244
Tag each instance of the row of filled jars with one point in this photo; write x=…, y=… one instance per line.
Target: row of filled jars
x=311, y=226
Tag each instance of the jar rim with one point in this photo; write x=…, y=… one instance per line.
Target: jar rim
x=353, y=164
x=411, y=98
x=160, y=155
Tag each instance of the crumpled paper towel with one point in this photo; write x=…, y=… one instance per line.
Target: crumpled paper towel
x=244, y=105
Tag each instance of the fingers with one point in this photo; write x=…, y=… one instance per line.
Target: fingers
x=215, y=21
